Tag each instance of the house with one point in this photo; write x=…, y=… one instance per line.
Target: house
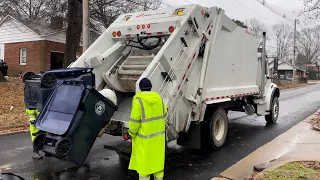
x=31, y=46
x=312, y=67
x=285, y=70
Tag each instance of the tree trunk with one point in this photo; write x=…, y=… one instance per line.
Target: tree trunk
x=73, y=32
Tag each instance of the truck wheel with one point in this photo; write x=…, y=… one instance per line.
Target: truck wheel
x=218, y=128
x=273, y=116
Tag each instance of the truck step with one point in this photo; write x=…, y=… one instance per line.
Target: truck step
x=130, y=72
x=138, y=60
x=129, y=77
x=134, y=67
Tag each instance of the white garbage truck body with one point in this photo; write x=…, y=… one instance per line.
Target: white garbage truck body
x=201, y=62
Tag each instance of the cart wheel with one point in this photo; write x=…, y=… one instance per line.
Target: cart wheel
x=48, y=80
x=63, y=147
x=218, y=128
x=39, y=141
x=27, y=76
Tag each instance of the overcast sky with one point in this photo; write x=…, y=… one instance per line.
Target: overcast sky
x=237, y=11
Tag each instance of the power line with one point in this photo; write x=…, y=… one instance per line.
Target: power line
x=252, y=10
x=189, y=1
x=263, y=2
x=166, y=4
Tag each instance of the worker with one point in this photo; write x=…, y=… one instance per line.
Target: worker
x=32, y=115
x=147, y=132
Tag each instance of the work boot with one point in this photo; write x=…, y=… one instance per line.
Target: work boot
x=36, y=155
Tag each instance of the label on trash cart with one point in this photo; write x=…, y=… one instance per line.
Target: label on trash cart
x=100, y=108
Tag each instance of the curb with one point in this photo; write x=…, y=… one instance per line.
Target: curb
x=14, y=132
x=307, y=120
x=248, y=170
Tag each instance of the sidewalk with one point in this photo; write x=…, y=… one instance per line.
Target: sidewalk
x=300, y=143
x=313, y=82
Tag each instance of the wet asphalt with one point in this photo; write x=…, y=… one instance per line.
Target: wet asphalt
x=246, y=134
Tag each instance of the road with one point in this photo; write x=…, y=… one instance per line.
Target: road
x=246, y=134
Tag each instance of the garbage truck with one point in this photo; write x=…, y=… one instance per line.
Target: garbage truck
x=198, y=59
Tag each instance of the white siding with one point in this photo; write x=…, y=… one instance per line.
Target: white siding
x=1, y=51
x=13, y=31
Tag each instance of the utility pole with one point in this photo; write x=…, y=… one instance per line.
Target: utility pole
x=85, y=28
x=294, y=51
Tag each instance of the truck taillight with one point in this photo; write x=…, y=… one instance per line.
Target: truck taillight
x=119, y=34
x=143, y=26
x=114, y=34
x=171, y=29
x=148, y=26
x=126, y=136
x=138, y=26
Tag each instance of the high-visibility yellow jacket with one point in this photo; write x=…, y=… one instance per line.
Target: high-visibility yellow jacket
x=147, y=129
x=32, y=115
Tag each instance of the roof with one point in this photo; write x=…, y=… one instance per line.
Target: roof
x=40, y=28
x=285, y=63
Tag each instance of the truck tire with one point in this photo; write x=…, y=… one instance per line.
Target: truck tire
x=218, y=128
x=273, y=116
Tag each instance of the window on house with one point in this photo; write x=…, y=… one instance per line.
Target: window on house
x=23, y=56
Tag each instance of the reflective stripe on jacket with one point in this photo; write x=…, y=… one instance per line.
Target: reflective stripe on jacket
x=32, y=115
x=147, y=129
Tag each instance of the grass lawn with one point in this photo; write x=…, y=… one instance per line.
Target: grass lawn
x=12, y=109
x=294, y=171
x=292, y=86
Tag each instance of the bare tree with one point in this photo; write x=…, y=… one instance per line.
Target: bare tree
x=283, y=36
x=106, y=11
x=308, y=44
x=312, y=7
x=40, y=10
x=144, y=5
x=257, y=27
